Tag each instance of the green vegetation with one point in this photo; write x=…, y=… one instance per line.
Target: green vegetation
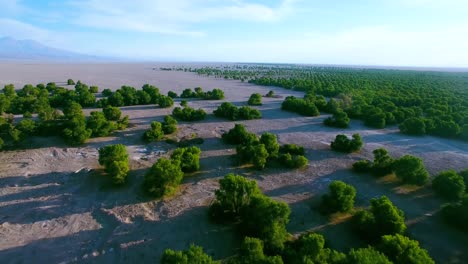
x=339, y=119
x=163, y=178
x=215, y=94
x=343, y=144
x=188, y=114
x=169, y=125
x=300, y=106
x=383, y=218
x=230, y=111
x=114, y=158
x=367, y=256
x=194, y=255
x=155, y=133
x=70, y=82
x=449, y=185
x=172, y=94
x=187, y=158
x=403, y=250
x=410, y=169
x=340, y=198
x=255, y=99
x=456, y=214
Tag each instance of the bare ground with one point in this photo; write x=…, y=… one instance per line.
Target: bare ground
x=56, y=206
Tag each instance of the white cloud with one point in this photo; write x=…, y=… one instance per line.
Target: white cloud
x=172, y=17
x=20, y=30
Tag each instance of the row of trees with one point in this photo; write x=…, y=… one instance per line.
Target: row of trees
x=215, y=94
x=188, y=114
x=127, y=95
x=231, y=112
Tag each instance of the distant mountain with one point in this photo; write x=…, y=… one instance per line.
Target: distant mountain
x=13, y=49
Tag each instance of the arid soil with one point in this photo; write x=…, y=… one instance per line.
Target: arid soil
x=56, y=206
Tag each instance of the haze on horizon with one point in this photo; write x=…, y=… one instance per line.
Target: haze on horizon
x=423, y=33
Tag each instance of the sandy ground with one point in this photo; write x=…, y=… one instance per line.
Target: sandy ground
x=56, y=206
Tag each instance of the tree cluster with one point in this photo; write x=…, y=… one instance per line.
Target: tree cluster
x=300, y=106
x=449, y=185
x=188, y=114
x=215, y=94
x=344, y=144
x=163, y=178
x=127, y=95
x=114, y=158
x=340, y=198
x=339, y=119
x=231, y=112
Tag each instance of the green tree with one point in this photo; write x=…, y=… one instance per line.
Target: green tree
x=75, y=131
x=340, y=198
x=70, y=82
x=165, y=101
x=271, y=144
x=255, y=99
x=99, y=125
x=362, y=166
x=449, y=185
x=402, y=250
x=169, y=125
x=233, y=196
x=343, y=144
x=187, y=158
x=114, y=158
x=194, y=255
x=155, y=133
x=339, y=119
x=413, y=126
x=383, y=162
x=366, y=256
x=383, y=218
x=259, y=156
x=238, y=135
x=251, y=252
x=112, y=113
x=163, y=178
x=410, y=169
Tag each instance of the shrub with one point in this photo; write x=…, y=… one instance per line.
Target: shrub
x=230, y=111
x=114, y=158
x=340, y=198
x=169, y=125
x=106, y=92
x=449, y=185
x=165, y=101
x=187, y=158
x=271, y=144
x=251, y=251
x=99, y=125
x=343, y=144
x=70, y=82
x=402, y=250
x=238, y=135
x=339, y=119
x=163, y=178
x=383, y=218
x=155, y=133
x=367, y=256
x=413, y=126
x=172, y=94
x=184, y=103
x=362, y=166
x=93, y=89
x=310, y=248
x=456, y=214
x=410, y=170
x=270, y=94
x=293, y=161
x=194, y=255
x=255, y=99
x=300, y=106
x=188, y=114
x=247, y=113
x=232, y=197
x=383, y=162
x=292, y=149
x=112, y=113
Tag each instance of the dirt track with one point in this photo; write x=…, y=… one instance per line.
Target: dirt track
x=55, y=206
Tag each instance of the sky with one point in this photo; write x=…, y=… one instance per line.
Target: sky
x=427, y=33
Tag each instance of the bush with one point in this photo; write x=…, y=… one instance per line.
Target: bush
x=93, y=89
x=172, y=94
x=238, y=135
x=70, y=82
x=188, y=114
x=383, y=162
x=169, y=125
x=292, y=149
x=413, y=126
x=99, y=125
x=247, y=113
x=155, y=133
x=194, y=255
x=163, y=178
x=456, y=214
x=184, y=103
x=449, y=185
x=232, y=197
x=383, y=218
x=340, y=198
x=114, y=158
x=107, y=92
x=230, y=111
x=343, y=144
x=255, y=99
x=362, y=166
x=112, y=113
x=402, y=250
x=410, y=170
x=251, y=252
x=187, y=158
x=293, y=161
x=300, y=106
x=270, y=94
x=339, y=119
x=367, y=256
x=165, y=101
x=271, y=144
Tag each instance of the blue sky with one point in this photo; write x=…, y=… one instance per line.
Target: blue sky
x=378, y=32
